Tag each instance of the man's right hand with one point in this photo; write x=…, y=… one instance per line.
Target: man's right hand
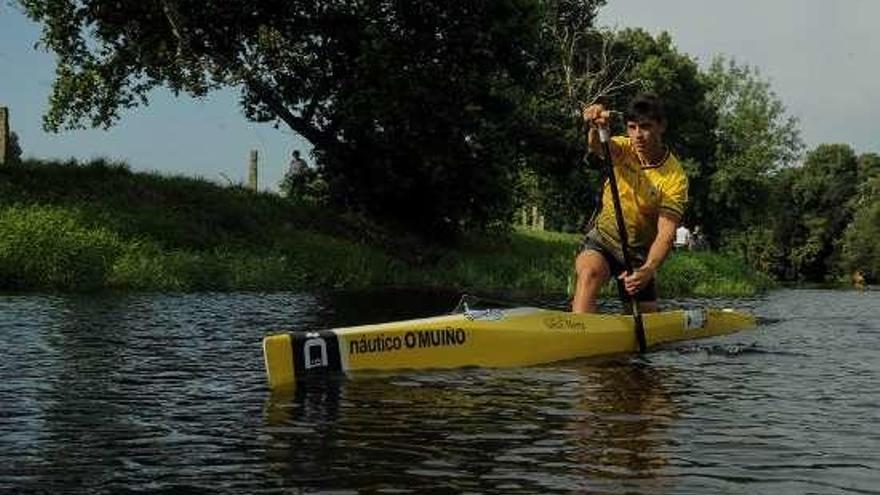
x=596, y=116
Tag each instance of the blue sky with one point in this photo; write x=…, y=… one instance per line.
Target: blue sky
x=820, y=55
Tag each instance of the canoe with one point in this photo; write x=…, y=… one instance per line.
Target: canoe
x=485, y=338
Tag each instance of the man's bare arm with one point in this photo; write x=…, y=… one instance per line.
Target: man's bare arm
x=666, y=225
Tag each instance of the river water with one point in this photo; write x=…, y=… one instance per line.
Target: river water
x=167, y=394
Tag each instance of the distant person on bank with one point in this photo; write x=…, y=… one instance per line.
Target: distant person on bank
x=653, y=193
x=858, y=280
x=698, y=240
x=683, y=237
x=297, y=166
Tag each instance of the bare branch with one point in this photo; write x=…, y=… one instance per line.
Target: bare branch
x=587, y=76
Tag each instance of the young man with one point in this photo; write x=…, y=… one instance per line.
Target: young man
x=653, y=192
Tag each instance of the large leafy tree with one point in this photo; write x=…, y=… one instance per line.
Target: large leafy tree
x=815, y=207
x=410, y=106
x=861, y=240
x=571, y=60
x=755, y=139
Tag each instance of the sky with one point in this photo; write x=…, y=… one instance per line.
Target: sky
x=821, y=56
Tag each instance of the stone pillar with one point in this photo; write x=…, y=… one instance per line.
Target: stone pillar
x=252, y=172
x=4, y=134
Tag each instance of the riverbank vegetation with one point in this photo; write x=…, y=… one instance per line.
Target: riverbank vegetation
x=442, y=121
x=72, y=227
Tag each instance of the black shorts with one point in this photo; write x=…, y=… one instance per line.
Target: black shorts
x=647, y=294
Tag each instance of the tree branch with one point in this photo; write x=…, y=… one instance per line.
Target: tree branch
x=249, y=78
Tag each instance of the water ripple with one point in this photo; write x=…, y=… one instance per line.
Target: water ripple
x=165, y=393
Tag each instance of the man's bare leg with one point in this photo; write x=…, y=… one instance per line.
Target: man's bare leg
x=592, y=273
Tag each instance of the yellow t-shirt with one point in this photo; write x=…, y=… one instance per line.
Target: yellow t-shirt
x=644, y=192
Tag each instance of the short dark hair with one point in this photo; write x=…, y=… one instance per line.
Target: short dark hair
x=645, y=106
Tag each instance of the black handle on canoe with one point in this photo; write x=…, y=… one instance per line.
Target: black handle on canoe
x=604, y=136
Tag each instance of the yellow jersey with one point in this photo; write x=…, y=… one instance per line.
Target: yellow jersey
x=644, y=192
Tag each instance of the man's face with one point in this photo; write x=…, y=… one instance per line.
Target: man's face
x=646, y=134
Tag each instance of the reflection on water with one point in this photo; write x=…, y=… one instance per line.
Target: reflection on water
x=593, y=422
x=166, y=393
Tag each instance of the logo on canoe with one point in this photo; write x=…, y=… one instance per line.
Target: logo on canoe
x=412, y=339
x=315, y=352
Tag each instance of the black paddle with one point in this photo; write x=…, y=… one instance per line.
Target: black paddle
x=604, y=135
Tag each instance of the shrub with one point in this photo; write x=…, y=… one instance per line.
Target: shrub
x=46, y=247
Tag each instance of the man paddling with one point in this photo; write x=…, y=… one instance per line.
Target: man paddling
x=653, y=192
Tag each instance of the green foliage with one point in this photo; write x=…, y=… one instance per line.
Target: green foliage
x=430, y=126
x=688, y=273
x=46, y=247
x=73, y=227
x=759, y=247
x=68, y=227
x=307, y=186
x=869, y=167
x=861, y=240
x=755, y=139
x=521, y=262
x=817, y=206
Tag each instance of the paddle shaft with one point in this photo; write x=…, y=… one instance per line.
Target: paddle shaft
x=604, y=136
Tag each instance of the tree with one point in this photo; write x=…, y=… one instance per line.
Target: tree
x=815, y=207
x=411, y=107
x=861, y=240
x=861, y=244
x=755, y=139
x=869, y=167
x=573, y=68
x=13, y=154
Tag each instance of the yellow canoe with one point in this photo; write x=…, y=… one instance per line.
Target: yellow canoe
x=487, y=338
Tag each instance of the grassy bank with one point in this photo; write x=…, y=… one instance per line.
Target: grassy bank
x=71, y=227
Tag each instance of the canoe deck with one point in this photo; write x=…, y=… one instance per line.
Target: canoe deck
x=486, y=338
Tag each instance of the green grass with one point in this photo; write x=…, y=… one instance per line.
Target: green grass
x=72, y=227
x=704, y=273
x=533, y=262
x=522, y=262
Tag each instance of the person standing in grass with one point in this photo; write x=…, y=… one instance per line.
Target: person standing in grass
x=653, y=193
x=297, y=166
x=683, y=237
